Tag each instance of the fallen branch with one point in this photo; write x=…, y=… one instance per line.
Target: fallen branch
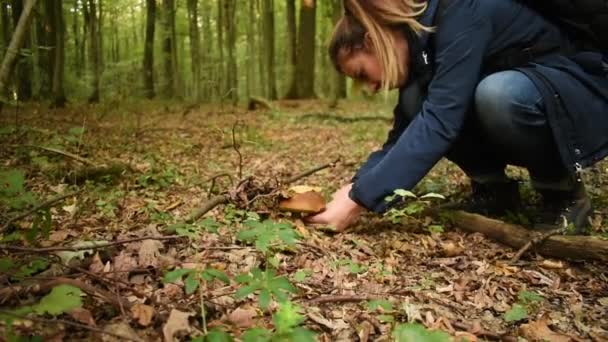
x=534, y=242
x=97, y=172
x=86, y=248
x=341, y=299
x=561, y=247
x=310, y=172
x=55, y=321
x=65, y=154
x=35, y=209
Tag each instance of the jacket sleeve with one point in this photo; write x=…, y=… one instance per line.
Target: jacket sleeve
x=460, y=45
x=399, y=125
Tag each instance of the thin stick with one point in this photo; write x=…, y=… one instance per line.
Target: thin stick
x=341, y=299
x=534, y=242
x=46, y=204
x=208, y=206
x=64, y=153
x=66, y=322
x=236, y=148
x=310, y=172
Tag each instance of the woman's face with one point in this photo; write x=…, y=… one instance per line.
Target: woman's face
x=362, y=64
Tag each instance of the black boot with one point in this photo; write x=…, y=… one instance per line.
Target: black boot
x=493, y=198
x=566, y=208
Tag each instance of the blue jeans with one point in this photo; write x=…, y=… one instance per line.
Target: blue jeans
x=507, y=125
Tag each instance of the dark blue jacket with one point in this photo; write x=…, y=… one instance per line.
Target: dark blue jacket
x=575, y=89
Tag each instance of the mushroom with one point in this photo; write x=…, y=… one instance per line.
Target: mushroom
x=310, y=202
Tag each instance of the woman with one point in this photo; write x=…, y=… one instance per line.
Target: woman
x=484, y=83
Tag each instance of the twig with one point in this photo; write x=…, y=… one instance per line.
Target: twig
x=532, y=243
x=66, y=322
x=46, y=204
x=310, y=172
x=86, y=248
x=236, y=148
x=341, y=299
x=214, y=179
x=64, y=153
x=208, y=206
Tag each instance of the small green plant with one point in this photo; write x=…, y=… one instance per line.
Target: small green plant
x=411, y=332
x=109, y=204
x=193, y=278
x=233, y=215
x=353, y=267
x=287, y=327
x=267, y=283
x=384, y=307
x=526, y=302
x=413, y=204
x=268, y=236
x=194, y=230
x=13, y=194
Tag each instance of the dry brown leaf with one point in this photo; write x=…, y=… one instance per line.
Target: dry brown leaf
x=123, y=263
x=149, y=253
x=97, y=265
x=242, y=318
x=177, y=322
x=121, y=329
x=539, y=331
x=451, y=249
x=143, y=314
x=83, y=316
x=552, y=264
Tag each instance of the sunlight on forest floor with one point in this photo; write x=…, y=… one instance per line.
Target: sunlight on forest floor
x=351, y=286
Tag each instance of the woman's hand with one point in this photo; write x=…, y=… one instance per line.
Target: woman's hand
x=340, y=213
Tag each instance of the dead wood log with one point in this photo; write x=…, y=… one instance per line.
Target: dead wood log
x=258, y=102
x=561, y=247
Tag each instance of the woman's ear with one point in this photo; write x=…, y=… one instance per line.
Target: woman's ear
x=367, y=42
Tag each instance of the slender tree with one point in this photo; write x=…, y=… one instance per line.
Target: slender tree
x=291, y=38
x=339, y=89
x=59, y=98
x=303, y=83
x=23, y=77
x=10, y=57
x=269, y=48
x=94, y=53
x=169, y=49
x=221, y=75
x=195, y=43
x=231, y=70
x=149, y=48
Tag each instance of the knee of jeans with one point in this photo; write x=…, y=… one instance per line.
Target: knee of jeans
x=501, y=97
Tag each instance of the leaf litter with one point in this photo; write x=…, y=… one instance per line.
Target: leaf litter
x=450, y=282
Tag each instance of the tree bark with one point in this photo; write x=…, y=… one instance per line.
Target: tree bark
x=303, y=83
x=94, y=54
x=195, y=54
x=78, y=66
x=562, y=247
x=8, y=63
x=250, y=48
x=169, y=48
x=270, y=48
x=221, y=74
x=207, y=41
x=23, y=79
x=59, y=98
x=292, y=39
x=231, y=33
x=339, y=91
x=149, y=49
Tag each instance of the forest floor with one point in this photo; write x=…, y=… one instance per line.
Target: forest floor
x=362, y=285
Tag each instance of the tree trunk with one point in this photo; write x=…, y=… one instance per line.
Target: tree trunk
x=269, y=48
x=23, y=79
x=339, y=79
x=207, y=52
x=195, y=43
x=149, y=49
x=169, y=49
x=292, y=40
x=250, y=48
x=231, y=70
x=6, y=25
x=8, y=63
x=59, y=99
x=303, y=83
x=78, y=67
x=221, y=75
x=100, y=38
x=94, y=52
x=261, y=44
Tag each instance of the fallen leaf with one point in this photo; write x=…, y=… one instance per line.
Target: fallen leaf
x=451, y=249
x=149, y=253
x=97, y=265
x=539, y=331
x=122, y=329
x=143, y=314
x=58, y=235
x=552, y=264
x=83, y=316
x=242, y=318
x=177, y=322
x=123, y=264
x=70, y=209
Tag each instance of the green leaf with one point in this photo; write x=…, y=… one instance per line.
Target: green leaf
x=383, y=304
x=245, y=291
x=76, y=131
x=527, y=297
x=301, y=275
x=436, y=228
x=191, y=283
x=11, y=182
x=6, y=264
x=417, y=333
x=405, y=193
x=433, y=195
x=287, y=317
x=386, y=318
x=300, y=334
x=32, y=268
x=176, y=274
x=216, y=335
x=62, y=298
x=219, y=275
x=256, y=335
x=210, y=225
x=264, y=299
x=516, y=313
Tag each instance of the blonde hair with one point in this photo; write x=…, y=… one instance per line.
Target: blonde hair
x=376, y=20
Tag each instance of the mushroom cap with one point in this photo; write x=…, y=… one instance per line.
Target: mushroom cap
x=310, y=202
